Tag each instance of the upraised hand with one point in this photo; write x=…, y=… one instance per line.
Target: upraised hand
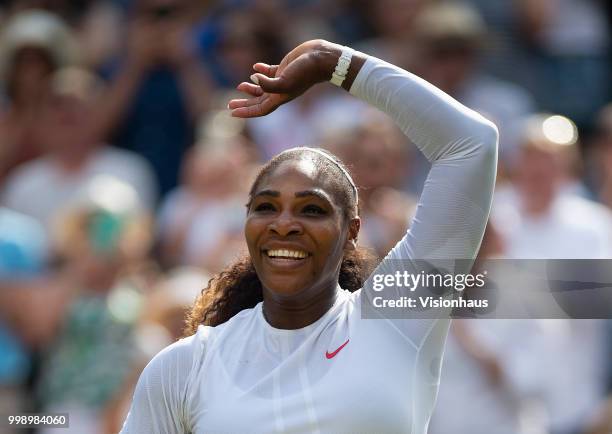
x=273, y=85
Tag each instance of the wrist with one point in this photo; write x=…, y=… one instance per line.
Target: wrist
x=325, y=55
x=328, y=55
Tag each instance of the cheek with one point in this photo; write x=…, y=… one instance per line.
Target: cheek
x=253, y=228
x=330, y=240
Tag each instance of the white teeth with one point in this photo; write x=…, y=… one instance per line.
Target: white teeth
x=282, y=253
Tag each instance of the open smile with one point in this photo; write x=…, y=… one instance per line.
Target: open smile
x=285, y=258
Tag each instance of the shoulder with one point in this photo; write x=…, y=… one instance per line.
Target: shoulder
x=190, y=352
x=160, y=403
x=181, y=356
x=170, y=371
x=234, y=333
x=243, y=320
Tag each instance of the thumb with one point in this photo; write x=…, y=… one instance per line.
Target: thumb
x=271, y=85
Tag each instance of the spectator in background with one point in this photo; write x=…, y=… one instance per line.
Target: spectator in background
x=393, y=23
x=236, y=38
x=451, y=41
x=90, y=349
x=97, y=25
x=69, y=10
x=379, y=157
x=540, y=217
x=159, y=89
x=161, y=323
x=33, y=45
x=570, y=46
x=496, y=362
x=22, y=257
x=211, y=196
x=601, y=156
x=74, y=155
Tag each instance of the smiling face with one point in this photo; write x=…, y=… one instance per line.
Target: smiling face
x=298, y=228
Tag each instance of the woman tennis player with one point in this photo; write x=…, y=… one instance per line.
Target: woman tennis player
x=279, y=344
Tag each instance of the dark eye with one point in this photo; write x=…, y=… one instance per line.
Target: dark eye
x=264, y=206
x=313, y=209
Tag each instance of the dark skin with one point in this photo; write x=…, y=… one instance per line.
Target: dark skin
x=306, y=65
x=294, y=207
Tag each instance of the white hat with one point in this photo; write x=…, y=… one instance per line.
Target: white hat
x=450, y=20
x=37, y=28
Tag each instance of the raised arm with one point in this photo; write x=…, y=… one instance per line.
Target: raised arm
x=454, y=206
x=461, y=145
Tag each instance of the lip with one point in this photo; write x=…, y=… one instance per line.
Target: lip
x=285, y=264
x=282, y=263
x=278, y=245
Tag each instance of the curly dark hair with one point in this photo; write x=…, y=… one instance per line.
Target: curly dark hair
x=238, y=287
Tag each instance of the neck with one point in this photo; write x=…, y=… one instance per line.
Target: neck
x=296, y=312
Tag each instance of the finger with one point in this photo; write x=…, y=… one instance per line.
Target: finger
x=236, y=103
x=247, y=112
x=260, y=107
x=250, y=112
x=264, y=68
x=271, y=85
x=250, y=88
x=245, y=102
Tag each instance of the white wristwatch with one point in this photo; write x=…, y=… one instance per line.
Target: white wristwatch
x=342, y=67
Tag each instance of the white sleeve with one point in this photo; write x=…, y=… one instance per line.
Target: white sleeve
x=159, y=403
x=462, y=147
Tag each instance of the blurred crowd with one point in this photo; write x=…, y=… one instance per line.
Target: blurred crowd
x=123, y=181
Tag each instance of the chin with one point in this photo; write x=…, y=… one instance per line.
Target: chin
x=284, y=286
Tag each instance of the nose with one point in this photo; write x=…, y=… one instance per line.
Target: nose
x=285, y=224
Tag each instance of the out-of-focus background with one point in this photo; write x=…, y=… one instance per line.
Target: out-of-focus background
x=123, y=182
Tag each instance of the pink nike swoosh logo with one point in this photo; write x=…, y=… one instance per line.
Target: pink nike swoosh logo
x=332, y=355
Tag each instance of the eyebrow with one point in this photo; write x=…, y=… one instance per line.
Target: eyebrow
x=304, y=193
x=272, y=193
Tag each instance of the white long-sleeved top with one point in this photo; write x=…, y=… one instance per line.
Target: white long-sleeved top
x=246, y=376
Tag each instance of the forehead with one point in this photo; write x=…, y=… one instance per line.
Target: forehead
x=298, y=175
